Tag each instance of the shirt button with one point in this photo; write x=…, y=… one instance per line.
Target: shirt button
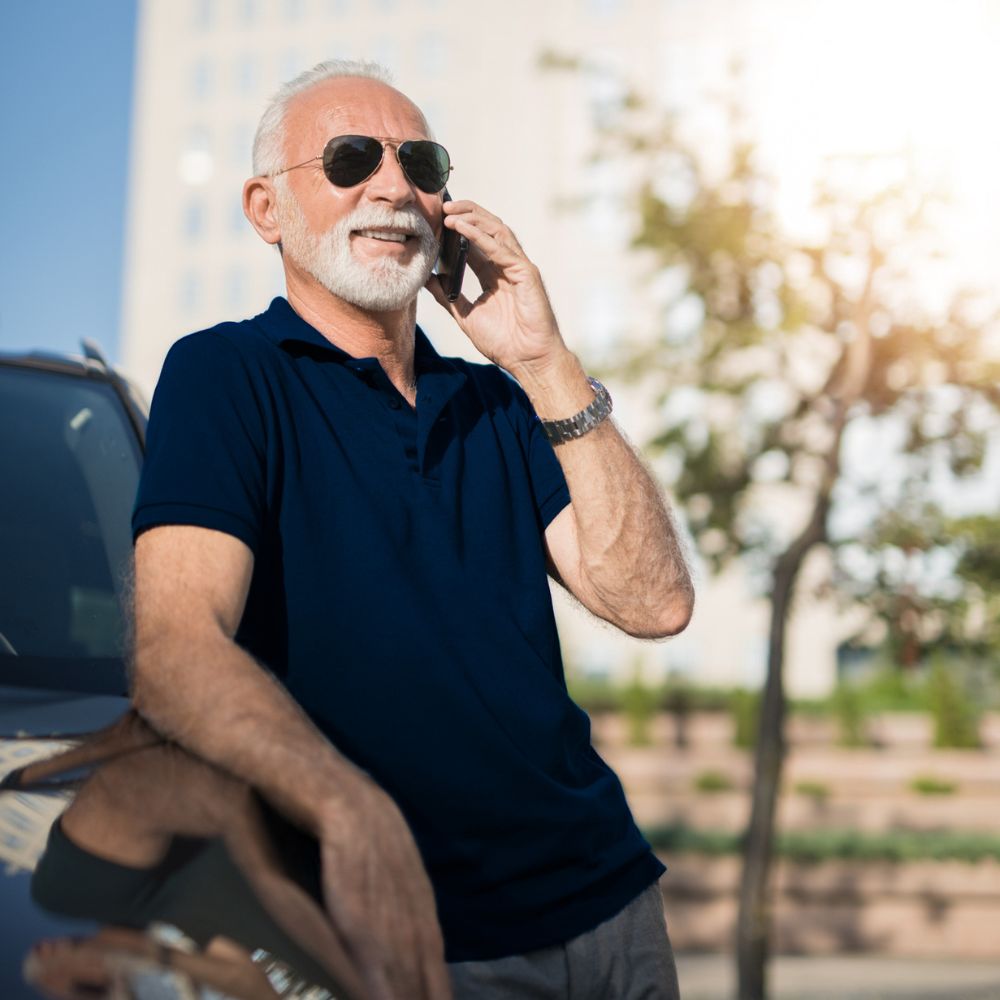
x=394, y=404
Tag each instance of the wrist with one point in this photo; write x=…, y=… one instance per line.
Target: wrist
x=352, y=791
x=538, y=373
x=557, y=387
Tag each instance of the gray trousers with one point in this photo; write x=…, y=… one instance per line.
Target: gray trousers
x=626, y=958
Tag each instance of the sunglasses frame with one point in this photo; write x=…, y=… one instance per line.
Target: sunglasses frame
x=383, y=141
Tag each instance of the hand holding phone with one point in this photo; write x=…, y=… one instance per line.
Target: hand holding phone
x=451, y=263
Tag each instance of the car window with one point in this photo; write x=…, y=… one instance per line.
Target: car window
x=69, y=467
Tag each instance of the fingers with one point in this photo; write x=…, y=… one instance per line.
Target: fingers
x=379, y=897
x=495, y=240
x=491, y=224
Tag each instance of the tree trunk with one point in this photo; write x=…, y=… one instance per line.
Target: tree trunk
x=753, y=924
x=754, y=919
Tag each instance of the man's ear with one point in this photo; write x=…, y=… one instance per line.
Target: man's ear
x=260, y=207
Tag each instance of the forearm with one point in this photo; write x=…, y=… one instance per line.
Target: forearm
x=210, y=696
x=631, y=560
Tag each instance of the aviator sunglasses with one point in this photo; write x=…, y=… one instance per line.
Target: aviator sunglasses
x=350, y=159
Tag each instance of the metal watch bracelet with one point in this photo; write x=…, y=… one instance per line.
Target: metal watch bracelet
x=586, y=420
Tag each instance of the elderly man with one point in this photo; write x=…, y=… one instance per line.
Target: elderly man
x=328, y=503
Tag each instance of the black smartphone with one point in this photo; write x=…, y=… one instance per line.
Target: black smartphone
x=451, y=264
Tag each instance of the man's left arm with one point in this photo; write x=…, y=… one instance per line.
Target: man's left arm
x=615, y=547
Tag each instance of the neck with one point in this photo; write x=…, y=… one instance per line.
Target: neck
x=388, y=336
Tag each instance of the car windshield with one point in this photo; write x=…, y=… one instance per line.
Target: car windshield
x=69, y=467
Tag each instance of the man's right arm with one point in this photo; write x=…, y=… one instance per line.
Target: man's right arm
x=195, y=685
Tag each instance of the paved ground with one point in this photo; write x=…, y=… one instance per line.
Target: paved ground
x=846, y=977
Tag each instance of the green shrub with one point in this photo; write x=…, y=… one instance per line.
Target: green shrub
x=640, y=703
x=680, y=837
x=892, y=690
x=816, y=708
x=848, y=709
x=826, y=844
x=697, y=699
x=745, y=708
x=596, y=696
x=956, y=722
x=927, y=784
x=713, y=781
x=814, y=790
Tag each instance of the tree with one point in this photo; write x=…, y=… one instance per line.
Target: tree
x=930, y=582
x=777, y=356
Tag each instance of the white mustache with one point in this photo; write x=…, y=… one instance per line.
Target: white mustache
x=371, y=217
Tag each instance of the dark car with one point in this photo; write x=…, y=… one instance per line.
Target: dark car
x=72, y=435
x=71, y=443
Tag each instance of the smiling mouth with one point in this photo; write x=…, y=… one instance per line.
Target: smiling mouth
x=383, y=234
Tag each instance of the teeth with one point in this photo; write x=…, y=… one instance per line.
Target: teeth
x=373, y=234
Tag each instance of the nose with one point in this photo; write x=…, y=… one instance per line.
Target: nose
x=389, y=183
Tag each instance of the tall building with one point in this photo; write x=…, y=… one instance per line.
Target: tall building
x=521, y=138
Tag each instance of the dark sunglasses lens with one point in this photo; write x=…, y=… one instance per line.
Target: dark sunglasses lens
x=426, y=164
x=350, y=159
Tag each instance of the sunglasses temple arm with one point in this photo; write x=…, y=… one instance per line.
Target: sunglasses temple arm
x=295, y=166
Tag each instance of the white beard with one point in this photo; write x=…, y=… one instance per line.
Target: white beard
x=377, y=286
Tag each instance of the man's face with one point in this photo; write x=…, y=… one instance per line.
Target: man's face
x=348, y=238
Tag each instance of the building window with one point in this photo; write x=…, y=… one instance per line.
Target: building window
x=204, y=14
x=236, y=288
x=202, y=78
x=189, y=293
x=247, y=74
x=241, y=150
x=293, y=10
x=239, y=225
x=193, y=219
x=249, y=10
x=198, y=137
x=337, y=8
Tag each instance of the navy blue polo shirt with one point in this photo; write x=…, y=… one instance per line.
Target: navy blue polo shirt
x=399, y=592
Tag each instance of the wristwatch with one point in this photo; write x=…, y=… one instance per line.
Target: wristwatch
x=587, y=419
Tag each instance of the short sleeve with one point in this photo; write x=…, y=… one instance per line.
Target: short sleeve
x=205, y=462
x=547, y=480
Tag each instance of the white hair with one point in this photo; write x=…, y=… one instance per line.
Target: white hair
x=269, y=141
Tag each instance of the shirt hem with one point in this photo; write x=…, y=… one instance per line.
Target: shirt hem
x=551, y=927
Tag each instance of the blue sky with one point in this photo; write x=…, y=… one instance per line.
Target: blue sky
x=66, y=80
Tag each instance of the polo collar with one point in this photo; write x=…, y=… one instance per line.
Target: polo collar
x=282, y=324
